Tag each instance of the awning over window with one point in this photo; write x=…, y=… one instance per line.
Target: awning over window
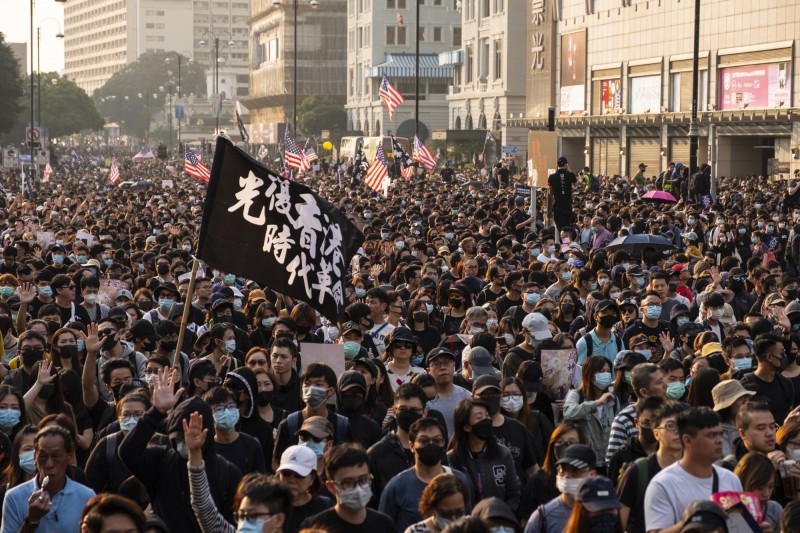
x=404, y=66
x=453, y=57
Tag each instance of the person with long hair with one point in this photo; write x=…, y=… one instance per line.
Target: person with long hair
x=596, y=508
x=21, y=466
x=513, y=404
x=264, y=317
x=444, y=501
x=401, y=345
x=64, y=350
x=541, y=486
x=757, y=474
x=45, y=396
x=701, y=386
x=569, y=309
x=421, y=322
x=266, y=387
x=475, y=451
x=111, y=512
x=257, y=358
x=12, y=410
x=298, y=471
x=593, y=406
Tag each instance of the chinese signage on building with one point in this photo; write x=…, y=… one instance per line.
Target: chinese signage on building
x=573, y=73
x=756, y=86
x=610, y=96
x=541, y=56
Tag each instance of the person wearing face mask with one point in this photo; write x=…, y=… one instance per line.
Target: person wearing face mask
x=712, y=309
x=22, y=463
x=574, y=464
x=105, y=471
x=238, y=448
x=166, y=295
x=651, y=326
x=263, y=319
x=596, y=509
x=114, y=348
x=31, y=351
x=144, y=337
x=222, y=348
x=360, y=314
x=507, y=431
x=563, y=274
x=600, y=340
x=475, y=450
x=400, y=498
x=43, y=295
x=351, y=392
x=90, y=287
x=641, y=445
x=767, y=381
x=459, y=301
x=494, y=287
x=443, y=502
x=318, y=386
x=535, y=330
x=530, y=297
x=348, y=478
x=164, y=471
x=514, y=283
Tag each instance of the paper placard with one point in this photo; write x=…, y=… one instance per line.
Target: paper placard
x=85, y=236
x=557, y=369
x=46, y=238
x=750, y=500
x=167, y=184
x=109, y=288
x=330, y=354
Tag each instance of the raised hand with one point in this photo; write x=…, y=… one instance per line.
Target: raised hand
x=193, y=433
x=93, y=343
x=27, y=293
x=164, y=398
x=44, y=377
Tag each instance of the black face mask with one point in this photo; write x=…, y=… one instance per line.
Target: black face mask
x=567, y=308
x=145, y=305
x=430, y=455
x=405, y=418
x=420, y=316
x=169, y=345
x=483, y=429
x=109, y=342
x=31, y=357
x=370, y=323
x=352, y=402
x=149, y=346
x=162, y=269
x=456, y=302
x=264, y=398
x=493, y=405
x=648, y=436
x=559, y=449
x=68, y=352
x=792, y=295
x=607, y=321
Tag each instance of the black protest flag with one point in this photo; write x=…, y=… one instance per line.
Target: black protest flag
x=276, y=232
x=400, y=154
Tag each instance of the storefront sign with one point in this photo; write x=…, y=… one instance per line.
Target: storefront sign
x=573, y=73
x=610, y=96
x=645, y=94
x=756, y=86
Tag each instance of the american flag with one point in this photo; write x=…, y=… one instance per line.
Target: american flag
x=423, y=155
x=194, y=167
x=378, y=170
x=409, y=171
x=390, y=96
x=48, y=171
x=309, y=156
x=291, y=152
x=144, y=153
x=113, y=174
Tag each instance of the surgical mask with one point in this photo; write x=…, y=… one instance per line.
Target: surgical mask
x=351, y=349
x=614, y=295
x=58, y=259
x=186, y=247
x=675, y=390
x=690, y=222
x=108, y=261
x=268, y=322
x=512, y=404
x=448, y=235
x=429, y=308
x=566, y=276
x=9, y=418
x=744, y=363
x=367, y=215
x=6, y=292
x=182, y=449
x=237, y=304
x=593, y=286
x=400, y=244
x=509, y=338
x=227, y=419
x=568, y=485
x=229, y=279
x=250, y=525
x=230, y=346
x=128, y=424
x=646, y=353
x=356, y=498
x=551, y=249
x=80, y=344
x=384, y=235
x=81, y=259
x=27, y=463
x=474, y=330
x=417, y=360
x=626, y=377
x=360, y=293
x=165, y=304
x=90, y=299
x=640, y=282
x=502, y=529
x=602, y=380
x=535, y=252
x=441, y=523
x=742, y=231
x=314, y=396
x=532, y=298
x=653, y=312
x=681, y=320
x=717, y=314
x=760, y=223
x=47, y=292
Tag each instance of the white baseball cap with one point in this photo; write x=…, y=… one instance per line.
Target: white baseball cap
x=536, y=324
x=299, y=459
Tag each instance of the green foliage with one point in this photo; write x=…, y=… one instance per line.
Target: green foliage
x=145, y=76
x=65, y=108
x=10, y=87
x=317, y=113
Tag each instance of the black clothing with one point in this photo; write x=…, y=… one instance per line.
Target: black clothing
x=387, y=458
x=779, y=394
x=330, y=522
x=624, y=457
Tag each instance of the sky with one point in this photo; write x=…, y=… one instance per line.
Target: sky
x=15, y=23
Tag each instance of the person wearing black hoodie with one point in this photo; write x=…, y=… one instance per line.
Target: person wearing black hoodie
x=163, y=471
x=351, y=392
x=242, y=381
x=641, y=445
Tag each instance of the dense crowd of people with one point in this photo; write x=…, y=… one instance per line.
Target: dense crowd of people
x=680, y=360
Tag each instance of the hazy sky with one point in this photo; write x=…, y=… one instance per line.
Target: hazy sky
x=15, y=23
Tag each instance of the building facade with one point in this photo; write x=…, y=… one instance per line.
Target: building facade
x=381, y=41
x=320, y=58
x=103, y=36
x=488, y=85
x=619, y=75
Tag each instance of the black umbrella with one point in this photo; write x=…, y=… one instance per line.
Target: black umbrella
x=635, y=244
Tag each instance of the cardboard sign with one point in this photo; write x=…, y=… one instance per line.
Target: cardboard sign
x=109, y=288
x=557, y=369
x=330, y=354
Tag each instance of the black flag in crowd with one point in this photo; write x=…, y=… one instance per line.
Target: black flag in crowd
x=400, y=154
x=276, y=232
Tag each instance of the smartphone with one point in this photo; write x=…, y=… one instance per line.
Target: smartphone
x=501, y=340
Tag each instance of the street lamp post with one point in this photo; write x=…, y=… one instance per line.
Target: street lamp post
x=179, y=116
x=694, y=132
x=146, y=97
x=314, y=4
x=59, y=35
x=215, y=81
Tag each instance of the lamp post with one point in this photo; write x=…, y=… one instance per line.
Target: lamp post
x=218, y=99
x=314, y=4
x=416, y=77
x=179, y=116
x=59, y=35
x=693, y=126
x=146, y=97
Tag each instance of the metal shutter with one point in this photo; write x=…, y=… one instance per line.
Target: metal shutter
x=679, y=150
x=605, y=156
x=644, y=150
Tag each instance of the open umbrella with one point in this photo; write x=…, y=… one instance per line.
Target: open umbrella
x=659, y=196
x=635, y=244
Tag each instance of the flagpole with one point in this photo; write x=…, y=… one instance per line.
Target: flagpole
x=416, y=80
x=185, y=318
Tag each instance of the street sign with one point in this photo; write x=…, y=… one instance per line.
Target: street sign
x=523, y=191
x=439, y=135
x=33, y=135
x=10, y=157
x=509, y=149
x=43, y=156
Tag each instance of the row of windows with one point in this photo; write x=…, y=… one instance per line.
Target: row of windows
x=483, y=62
x=155, y=25
x=482, y=8
x=361, y=6
x=400, y=36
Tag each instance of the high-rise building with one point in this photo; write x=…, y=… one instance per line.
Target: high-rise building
x=381, y=41
x=320, y=33
x=103, y=36
x=488, y=86
x=20, y=51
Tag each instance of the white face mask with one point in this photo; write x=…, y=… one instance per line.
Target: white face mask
x=512, y=404
x=568, y=486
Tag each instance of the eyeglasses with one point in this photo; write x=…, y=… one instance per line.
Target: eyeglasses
x=127, y=416
x=669, y=426
x=257, y=362
x=350, y=483
x=107, y=332
x=403, y=345
x=441, y=363
x=251, y=517
x=221, y=408
x=425, y=441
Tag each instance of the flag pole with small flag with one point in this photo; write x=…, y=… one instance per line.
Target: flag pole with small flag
x=113, y=173
x=378, y=171
x=240, y=123
x=423, y=155
x=292, y=157
x=48, y=171
x=390, y=96
x=194, y=167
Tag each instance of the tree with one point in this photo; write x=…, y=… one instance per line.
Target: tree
x=119, y=98
x=10, y=87
x=65, y=109
x=317, y=113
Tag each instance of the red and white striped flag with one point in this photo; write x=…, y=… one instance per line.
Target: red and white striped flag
x=378, y=170
x=390, y=96
x=113, y=174
x=292, y=157
x=408, y=172
x=194, y=167
x=423, y=155
x=48, y=171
